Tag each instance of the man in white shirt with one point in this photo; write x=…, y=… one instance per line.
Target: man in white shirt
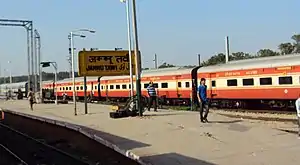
x=298, y=113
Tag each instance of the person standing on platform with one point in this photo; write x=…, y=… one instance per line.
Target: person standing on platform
x=30, y=98
x=298, y=114
x=152, y=96
x=203, y=101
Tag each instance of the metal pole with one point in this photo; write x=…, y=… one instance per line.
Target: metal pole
x=129, y=47
x=85, y=98
x=34, y=50
x=73, y=72
x=55, y=79
x=137, y=60
x=227, y=49
x=28, y=61
x=155, y=61
x=70, y=56
x=41, y=84
x=199, y=59
x=10, y=79
x=39, y=64
x=32, y=57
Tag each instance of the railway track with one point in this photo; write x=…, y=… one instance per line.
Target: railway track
x=8, y=157
x=18, y=148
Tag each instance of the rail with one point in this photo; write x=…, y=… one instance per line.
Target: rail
x=6, y=153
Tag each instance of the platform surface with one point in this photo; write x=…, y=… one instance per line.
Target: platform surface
x=178, y=138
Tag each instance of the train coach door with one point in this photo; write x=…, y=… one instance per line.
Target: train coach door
x=99, y=88
x=212, y=85
x=178, y=86
x=194, y=75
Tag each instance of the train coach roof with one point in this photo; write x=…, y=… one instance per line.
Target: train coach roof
x=264, y=62
x=156, y=72
x=150, y=72
x=18, y=84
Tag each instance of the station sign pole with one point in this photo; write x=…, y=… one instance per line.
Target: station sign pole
x=137, y=60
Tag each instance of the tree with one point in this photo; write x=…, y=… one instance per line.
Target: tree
x=296, y=38
x=267, y=53
x=220, y=58
x=240, y=56
x=166, y=65
x=190, y=66
x=214, y=60
x=286, y=48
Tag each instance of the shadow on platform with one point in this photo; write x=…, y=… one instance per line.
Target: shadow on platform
x=162, y=114
x=174, y=159
x=90, y=113
x=167, y=113
x=228, y=122
x=278, y=119
x=127, y=144
x=288, y=131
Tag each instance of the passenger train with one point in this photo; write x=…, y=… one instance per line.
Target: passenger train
x=267, y=82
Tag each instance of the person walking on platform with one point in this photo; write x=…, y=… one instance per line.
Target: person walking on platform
x=298, y=114
x=203, y=101
x=152, y=96
x=30, y=98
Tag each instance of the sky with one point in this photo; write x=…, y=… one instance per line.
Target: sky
x=175, y=30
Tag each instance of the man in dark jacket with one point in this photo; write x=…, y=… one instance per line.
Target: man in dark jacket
x=203, y=101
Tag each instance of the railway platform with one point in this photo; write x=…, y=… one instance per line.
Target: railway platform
x=173, y=137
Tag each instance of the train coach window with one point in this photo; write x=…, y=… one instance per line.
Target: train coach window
x=81, y=87
x=285, y=80
x=118, y=87
x=102, y=87
x=187, y=84
x=248, y=81
x=124, y=86
x=232, y=82
x=77, y=88
x=155, y=85
x=146, y=85
x=63, y=88
x=96, y=87
x=164, y=85
x=111, y=87
x=213, y=83
x=179, y=84
x=265, y=81
x=60, y=88
x=129, y=86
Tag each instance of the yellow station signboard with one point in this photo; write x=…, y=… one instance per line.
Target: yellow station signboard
x=105, y=63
